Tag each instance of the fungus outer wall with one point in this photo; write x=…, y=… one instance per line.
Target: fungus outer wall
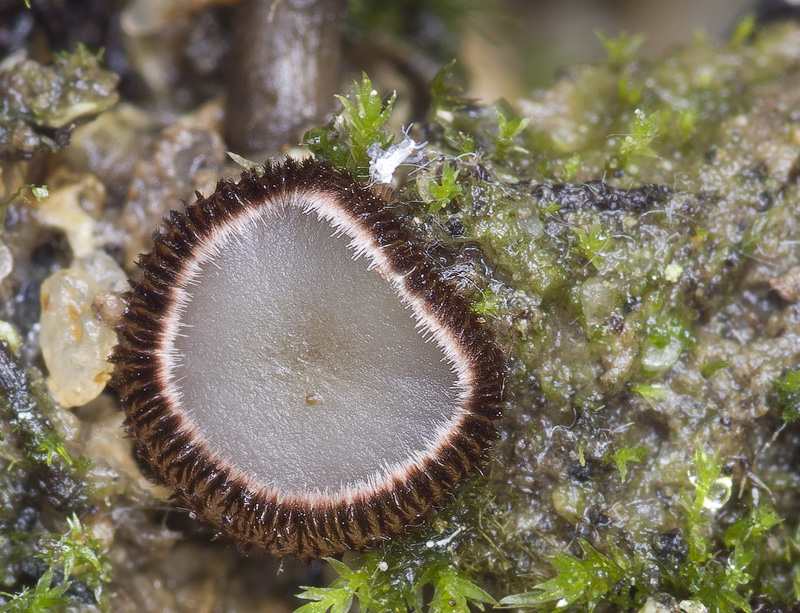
x=295, y=397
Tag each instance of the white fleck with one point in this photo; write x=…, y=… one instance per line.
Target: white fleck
x=382, y=164
x=653, y=606
x=6, y=261
x=383, y=567
x=718, y=494
x=445, y=115
x=10, y=336
x=692, y=606
x=442, y=543
x=673, y=272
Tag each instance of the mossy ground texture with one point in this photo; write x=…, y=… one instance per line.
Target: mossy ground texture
x=633, y=234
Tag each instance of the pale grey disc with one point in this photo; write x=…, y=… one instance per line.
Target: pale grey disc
x=301, y=366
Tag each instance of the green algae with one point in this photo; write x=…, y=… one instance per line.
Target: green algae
x=624, y=231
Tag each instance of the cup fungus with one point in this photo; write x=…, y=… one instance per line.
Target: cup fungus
x=274, y=364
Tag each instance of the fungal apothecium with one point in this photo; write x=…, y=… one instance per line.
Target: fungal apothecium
x=293, y=365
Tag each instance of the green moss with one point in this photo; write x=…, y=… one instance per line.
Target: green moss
x=650, y=392
x=744, y=30
x=24, y=407
x=592, y=243
x=621, y=50
x=621, y=231
x=362, y=120
x=508, y=128
x=623, y=243
x=39, y=192
x=379, y=587
x=582, y=581
x=431, y=570
x=698, y=573
x=78, y=554
x=37, y=466
x=645, y=129
x=438, y=194
x=43, y=597
x=73, y=555
x=571, y=166
x=486, y=303
x=787, y=396
x=625, y=454
x=453, y=589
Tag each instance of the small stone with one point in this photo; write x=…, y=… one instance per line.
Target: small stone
x=10, y=336
x=75, y=344
x=75, y=341
x=598, y=300
x=666, y=605
x=6, y=261
x=569, y=500
x=67, y=209
x=656, y=360
x=109, y=307
x=530, y=224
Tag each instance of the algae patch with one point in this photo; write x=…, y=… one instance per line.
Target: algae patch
x=633, y=232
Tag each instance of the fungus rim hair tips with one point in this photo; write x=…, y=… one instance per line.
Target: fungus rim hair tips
x=224, y=493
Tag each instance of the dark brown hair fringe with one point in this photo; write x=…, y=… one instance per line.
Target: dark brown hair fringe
x=218, y=494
